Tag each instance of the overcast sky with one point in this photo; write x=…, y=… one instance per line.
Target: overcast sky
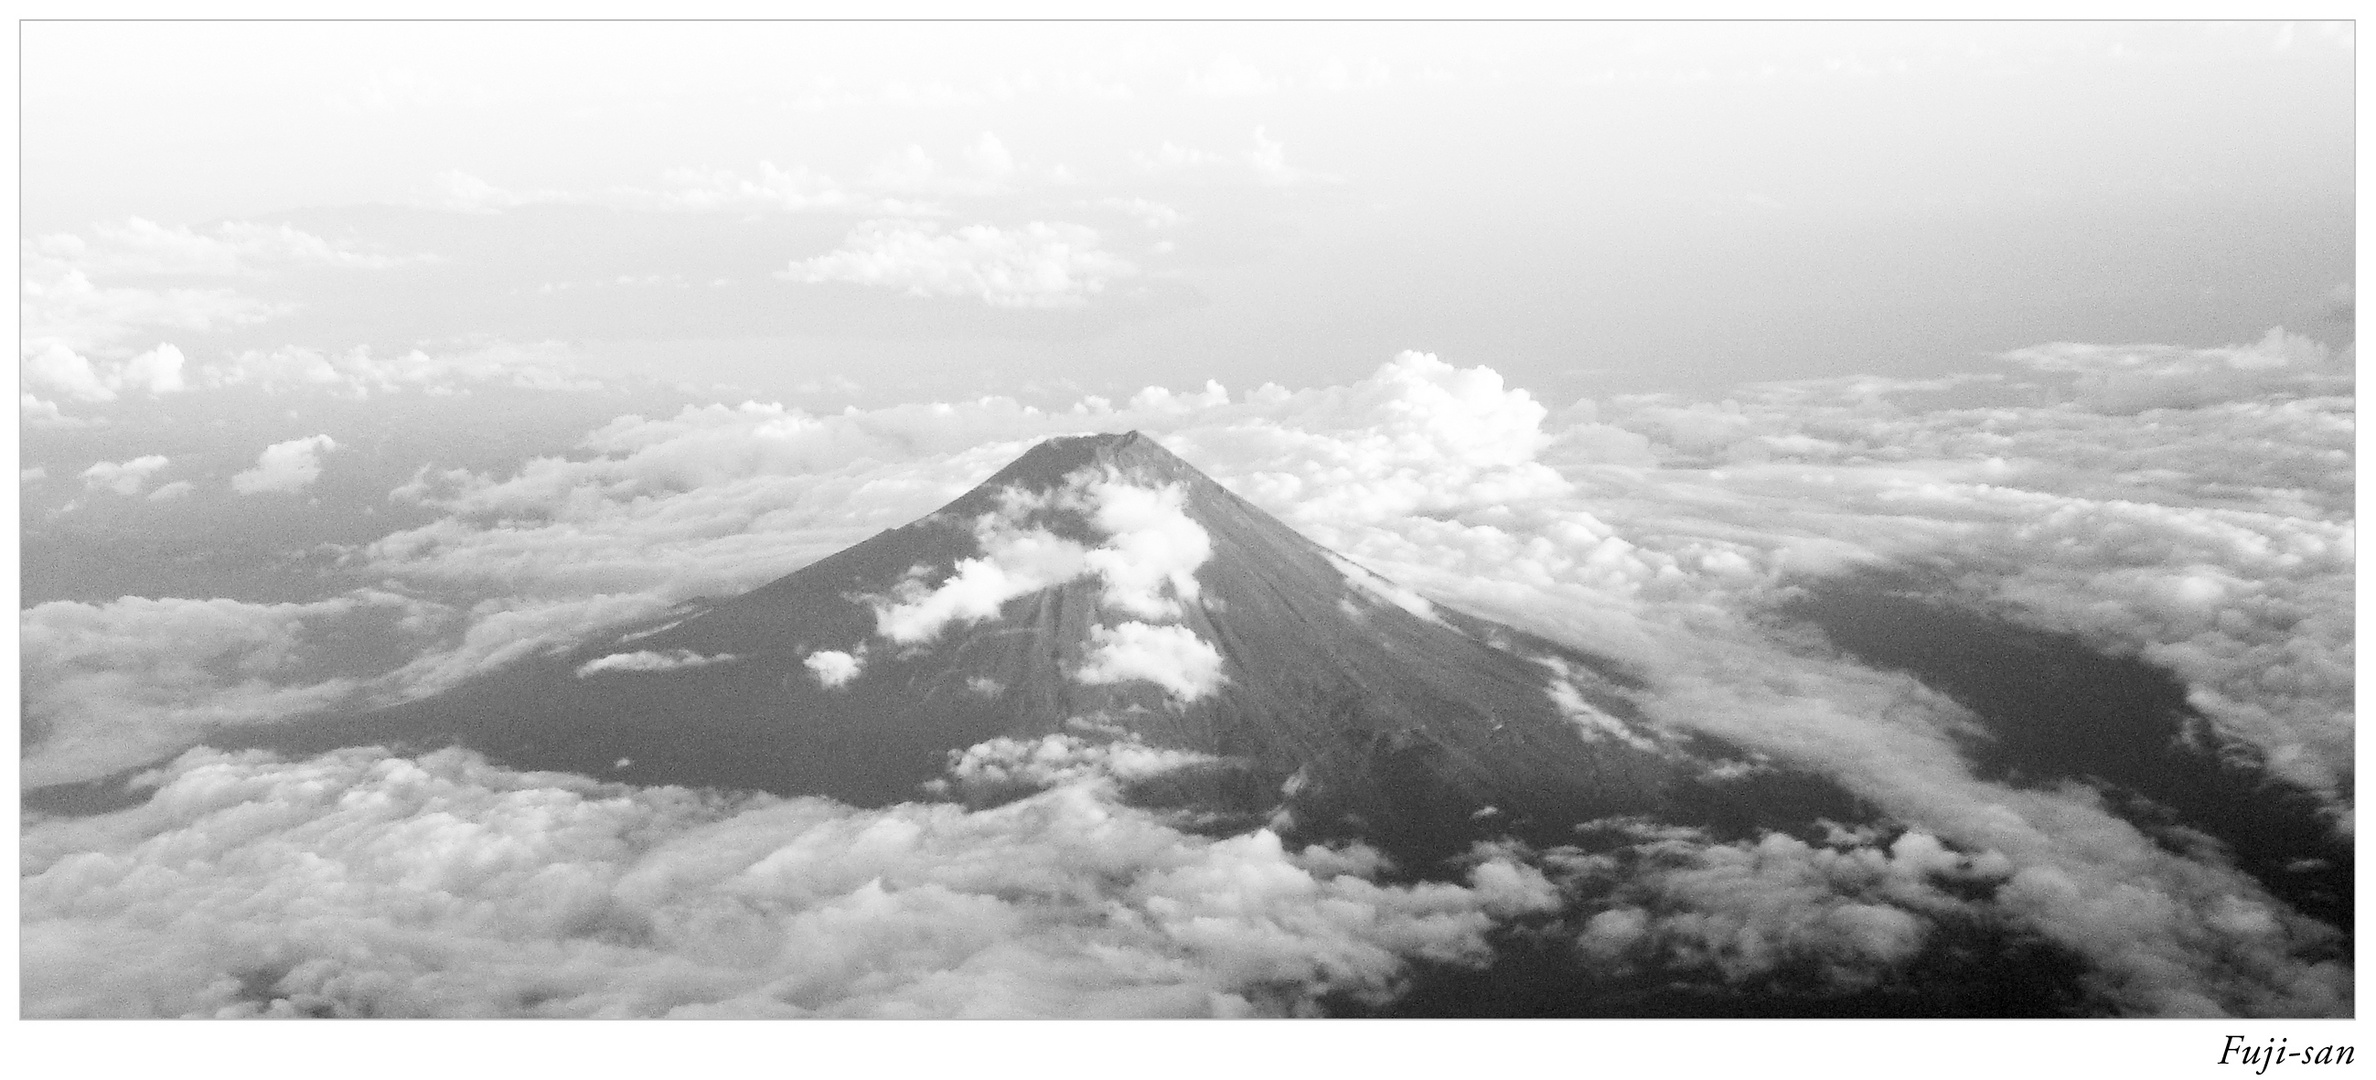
x=868, y=212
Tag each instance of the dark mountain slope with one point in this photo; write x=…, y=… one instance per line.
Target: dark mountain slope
x=1363, y=702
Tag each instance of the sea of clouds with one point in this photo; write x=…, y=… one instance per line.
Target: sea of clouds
x=2192, y=507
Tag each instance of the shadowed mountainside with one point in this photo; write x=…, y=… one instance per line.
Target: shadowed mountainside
x=2055, y=710
x=1358, y=702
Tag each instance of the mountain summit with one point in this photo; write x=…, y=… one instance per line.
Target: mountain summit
x=1098, y=594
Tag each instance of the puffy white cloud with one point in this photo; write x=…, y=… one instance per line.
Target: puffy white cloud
x=647, y=660
x=361, y=885
x=1844, y=914
x=1444, y=478
x=125, y=478
x=1147, y=560
x=175, y=490
x=34, y=411
x=61, y=370
x=66, y=313
x=1152, y=547
x=285, y=467
x=2213, y=540
x=1038, y=265
x=1004, y=765
x=1170, y=656
x=1014, y=562
x=2210, y=540
x=833, y=667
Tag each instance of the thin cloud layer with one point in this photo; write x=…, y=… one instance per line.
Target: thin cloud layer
x=647, y=660
x=1038, y=265
x=2126, y=380
x=111, y=686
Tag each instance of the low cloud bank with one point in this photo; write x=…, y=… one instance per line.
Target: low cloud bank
x=2210, y=534
x=362, y=885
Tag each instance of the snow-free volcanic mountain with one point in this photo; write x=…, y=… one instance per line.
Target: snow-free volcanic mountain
x=1098, y=595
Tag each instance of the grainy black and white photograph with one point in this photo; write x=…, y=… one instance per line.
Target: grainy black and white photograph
x=1155, y=519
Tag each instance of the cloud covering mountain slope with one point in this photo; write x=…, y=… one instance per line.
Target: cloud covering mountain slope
x=1662, y=534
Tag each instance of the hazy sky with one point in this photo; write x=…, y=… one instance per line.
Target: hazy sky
x=837, y=213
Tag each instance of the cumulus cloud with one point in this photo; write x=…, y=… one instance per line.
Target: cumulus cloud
x=74, y=327
x=1004, y=766
x=647, y=660
x=362, y=885
x=1170, y=656
x=1152, y=547
x=60, y=370
x=1014, y=562
x=124, y=478
x=1038, y=265
x=1654, y=530
x=833, y=667
x=1449, y=480
x=2162, y=541
x=80, y=324
x=1147, y=560
x=285, y=467
x=1843, y=914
